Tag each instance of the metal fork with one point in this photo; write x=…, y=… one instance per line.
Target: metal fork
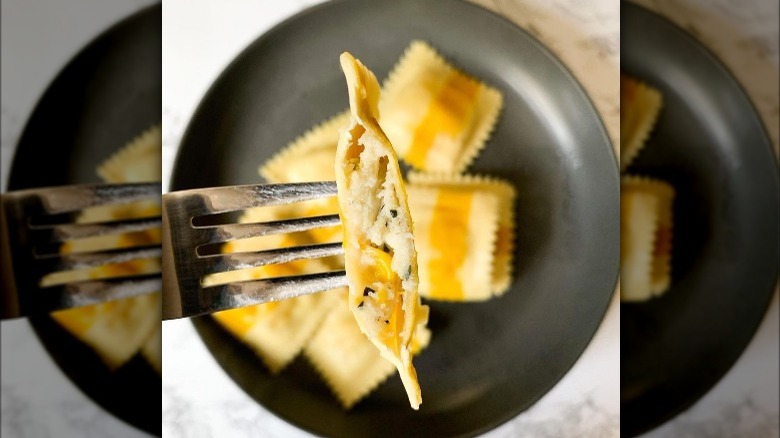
x=184, y=267
x=35, y=222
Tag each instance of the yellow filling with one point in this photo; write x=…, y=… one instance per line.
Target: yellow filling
x=449, y=237
x=448, y=114
x=380, y=267
x=379, y=270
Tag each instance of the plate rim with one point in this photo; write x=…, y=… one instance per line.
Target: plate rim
x=717, y=62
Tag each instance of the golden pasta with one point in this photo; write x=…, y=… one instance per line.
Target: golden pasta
x=432, y=198
x=380, y=256
x=309, y=157
x=152, y=349
x=116, y=329
x=646, y=225
x=138, y=161
x=348, y=362
x=640, y=105
x=437, y=117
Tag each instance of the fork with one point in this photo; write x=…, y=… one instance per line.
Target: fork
x=33, y=225
x=186, y=233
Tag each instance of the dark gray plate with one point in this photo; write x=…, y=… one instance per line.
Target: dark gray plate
x=710, y=144
x=489, y=361
x=107, y=94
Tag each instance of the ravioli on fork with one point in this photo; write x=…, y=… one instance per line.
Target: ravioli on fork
x=380, y=256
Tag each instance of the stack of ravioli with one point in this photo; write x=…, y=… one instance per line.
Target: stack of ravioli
x=119, y=330
x=646, y=217
x=438, y=119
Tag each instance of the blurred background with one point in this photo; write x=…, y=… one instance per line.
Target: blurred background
x=744, y=37
x=38, y=40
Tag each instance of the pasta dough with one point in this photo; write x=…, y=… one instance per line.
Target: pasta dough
x=139, y=161
x=380, y=257
x=464, y=224
x=645, y=237
x=348, y=362
x=116, y=329
x=310, y=158
x=152, y=349
x=640, y=105
x=437, y=117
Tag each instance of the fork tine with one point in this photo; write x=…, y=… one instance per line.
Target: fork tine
x=88, y=292
x=215, y=200
x=65, y=199
x=228, y=262
x=65, y=262
x=246, y=293
x=61, y=233
x=224, y=233
x=187, y=261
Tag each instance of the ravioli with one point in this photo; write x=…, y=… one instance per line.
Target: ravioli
x=152, y=349
x=437, y=117
x=380, y=256
x=646, y=226
x=116, y=329
x=640, y=106
x=309, y=157
x=119, y=329
x=139, y=161
x=460, y=230
x=348, y=362
x=276, y=331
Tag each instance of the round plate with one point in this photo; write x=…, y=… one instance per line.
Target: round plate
x=489, y=361
x=105, y=96
x=711, y=146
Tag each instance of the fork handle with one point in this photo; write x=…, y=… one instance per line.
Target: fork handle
x=10, y=298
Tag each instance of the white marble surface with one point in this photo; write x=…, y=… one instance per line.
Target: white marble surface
x=199, y=399
x=38, y=38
